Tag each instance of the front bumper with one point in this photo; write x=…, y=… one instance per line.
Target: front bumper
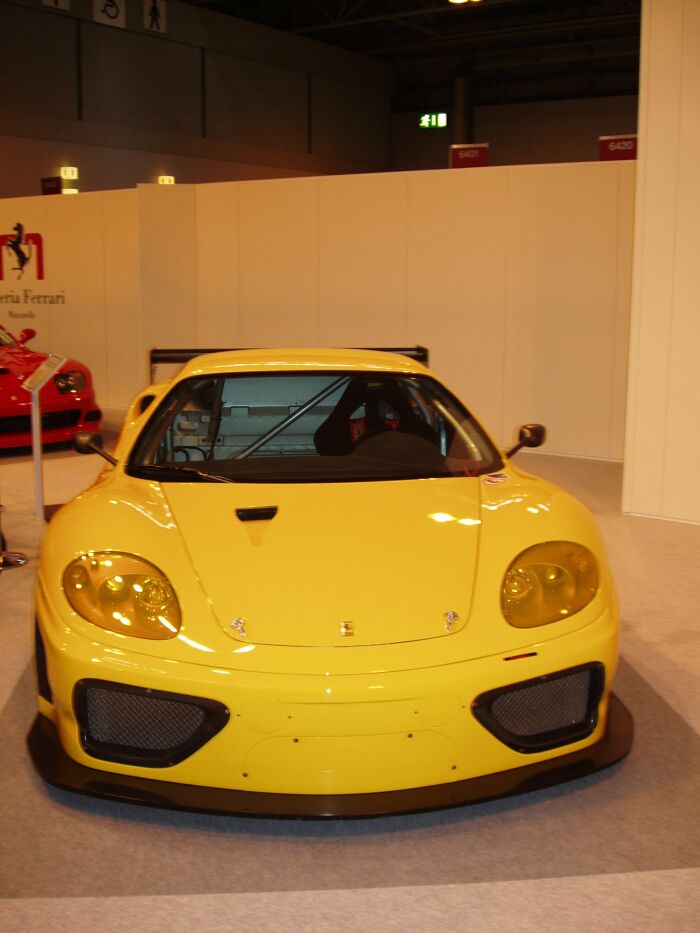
x=316, y=745
x=58, y=769
x=61, y=421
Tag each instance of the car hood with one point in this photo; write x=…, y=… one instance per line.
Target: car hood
x=339, y=565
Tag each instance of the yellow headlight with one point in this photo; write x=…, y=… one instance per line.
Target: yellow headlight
x=547, y=583
x=122, y=593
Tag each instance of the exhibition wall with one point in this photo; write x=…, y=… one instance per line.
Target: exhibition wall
x=520, y=134
x=220, y=99
x=663, y=443
x=211, y=87
x=516, y=278
x=103, y=168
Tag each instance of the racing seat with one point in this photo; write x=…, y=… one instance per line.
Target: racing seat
x=383, y=406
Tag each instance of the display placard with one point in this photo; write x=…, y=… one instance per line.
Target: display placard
x=43, y=372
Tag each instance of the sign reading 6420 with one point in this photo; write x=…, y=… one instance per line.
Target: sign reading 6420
x=614, y=148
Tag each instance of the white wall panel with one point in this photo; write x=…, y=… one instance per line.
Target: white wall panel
x=662, y=443
x=623, y=298
x=561, y=304
x=122, y=299
x=74, y=241
x=363, y=223
x=168, y=265
x=279, y=263
x=218, y=266
x=517, y=279
x=456, y=281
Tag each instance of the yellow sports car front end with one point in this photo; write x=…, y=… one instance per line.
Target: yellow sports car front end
x=310, y=585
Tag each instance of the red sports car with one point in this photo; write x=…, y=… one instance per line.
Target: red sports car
x=67, y=400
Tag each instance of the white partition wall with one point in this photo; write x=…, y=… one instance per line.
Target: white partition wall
x=87, y=304
x=663, y=442
x=516, y=278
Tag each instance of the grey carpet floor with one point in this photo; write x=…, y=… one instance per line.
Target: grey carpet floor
x=642, y=815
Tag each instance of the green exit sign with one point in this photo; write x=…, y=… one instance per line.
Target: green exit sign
x=432, y=121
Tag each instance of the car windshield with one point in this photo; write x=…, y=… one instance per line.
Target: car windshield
x=6, y=340
x=310, y=427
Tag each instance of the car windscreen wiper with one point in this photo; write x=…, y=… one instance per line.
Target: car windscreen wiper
x=162, y=471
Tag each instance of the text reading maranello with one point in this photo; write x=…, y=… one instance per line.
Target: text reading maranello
x=28, y=297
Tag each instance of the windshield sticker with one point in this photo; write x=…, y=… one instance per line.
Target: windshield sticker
x=493, y=479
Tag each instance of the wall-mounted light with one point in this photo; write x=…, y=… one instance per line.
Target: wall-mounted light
x=70, y=191
x=166, y=179
x=69, y=172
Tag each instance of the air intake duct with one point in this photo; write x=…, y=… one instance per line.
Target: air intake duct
x=546, y=712
x=138, y=726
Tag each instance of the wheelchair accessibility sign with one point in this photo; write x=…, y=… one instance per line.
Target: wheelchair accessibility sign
x=109, y=12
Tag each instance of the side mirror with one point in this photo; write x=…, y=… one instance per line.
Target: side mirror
x=530, y=435
x=27, y=334
x=88, y=442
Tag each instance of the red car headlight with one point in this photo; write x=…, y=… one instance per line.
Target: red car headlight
x=71, y=381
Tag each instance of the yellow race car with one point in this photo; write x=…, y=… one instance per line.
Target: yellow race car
x=310, y=585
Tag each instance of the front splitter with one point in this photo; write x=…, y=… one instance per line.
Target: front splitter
x=58, y=769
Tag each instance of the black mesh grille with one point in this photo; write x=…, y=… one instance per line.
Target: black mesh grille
x=545, y=712
x=138, y=721
x=60, y=419
x=544, y=707
x=135, y=725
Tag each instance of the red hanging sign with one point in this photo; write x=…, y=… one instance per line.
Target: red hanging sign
x=469, y=155
x=614, y=148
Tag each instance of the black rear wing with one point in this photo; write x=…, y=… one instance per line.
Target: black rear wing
x=184, y=355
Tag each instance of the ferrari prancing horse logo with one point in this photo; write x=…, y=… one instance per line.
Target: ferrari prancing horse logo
x=22, y=246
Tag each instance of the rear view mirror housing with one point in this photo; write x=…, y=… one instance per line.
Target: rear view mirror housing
x=89, y=442
x=530, y=435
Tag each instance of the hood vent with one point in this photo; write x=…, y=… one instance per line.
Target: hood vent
x=262, y=513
